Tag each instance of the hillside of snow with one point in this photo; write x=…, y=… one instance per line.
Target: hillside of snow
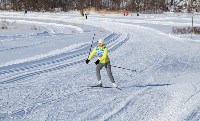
x=44, y=77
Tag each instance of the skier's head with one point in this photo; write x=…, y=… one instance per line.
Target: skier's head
x=100, y=42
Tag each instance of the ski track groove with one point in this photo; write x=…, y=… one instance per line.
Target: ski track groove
x=33, y=66
x=194, y=116
x=59, y=67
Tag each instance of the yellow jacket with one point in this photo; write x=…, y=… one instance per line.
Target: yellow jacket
x=102, y=52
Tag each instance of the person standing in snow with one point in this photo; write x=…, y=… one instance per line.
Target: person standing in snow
x=86, y=16
x=102, y=61
x=25, y=12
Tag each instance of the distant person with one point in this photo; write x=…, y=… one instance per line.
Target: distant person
x=102, y=61
x=125, y=13
x=138, y=14
x=25, y=12
x=85, y=16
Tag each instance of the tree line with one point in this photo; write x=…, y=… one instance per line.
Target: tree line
x=145, y=6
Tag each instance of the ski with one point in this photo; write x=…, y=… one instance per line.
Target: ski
x=97, y=86
x=100, y=86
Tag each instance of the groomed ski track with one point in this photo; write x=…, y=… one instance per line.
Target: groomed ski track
x=162, y=89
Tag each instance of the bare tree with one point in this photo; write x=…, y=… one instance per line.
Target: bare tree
x=146, y=6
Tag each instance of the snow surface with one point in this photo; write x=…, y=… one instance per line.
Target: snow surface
x=43, y=75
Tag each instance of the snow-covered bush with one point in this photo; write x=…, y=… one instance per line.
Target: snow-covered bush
x=185, y=30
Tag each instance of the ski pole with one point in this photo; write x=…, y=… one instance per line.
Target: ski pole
x=91, y=45
x=124, y=68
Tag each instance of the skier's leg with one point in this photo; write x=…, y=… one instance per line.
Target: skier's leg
x=98, y=68
x=108, y=69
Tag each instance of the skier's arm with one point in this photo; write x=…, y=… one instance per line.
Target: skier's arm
x=104, y=54
x=92, y=54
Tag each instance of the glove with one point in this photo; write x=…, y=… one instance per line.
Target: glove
x=97, y=62
x=87, y=61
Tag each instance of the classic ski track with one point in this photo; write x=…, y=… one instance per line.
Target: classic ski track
x=55, y=68
x=35, y=69
x=194, y=116
x=54, y=61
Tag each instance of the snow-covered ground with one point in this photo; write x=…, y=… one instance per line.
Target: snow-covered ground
x=43, y=75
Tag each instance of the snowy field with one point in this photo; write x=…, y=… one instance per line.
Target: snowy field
x=43, y=75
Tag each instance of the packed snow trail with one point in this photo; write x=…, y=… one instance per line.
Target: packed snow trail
x=167, y=88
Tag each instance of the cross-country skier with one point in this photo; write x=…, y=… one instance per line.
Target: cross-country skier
x=102, y=61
